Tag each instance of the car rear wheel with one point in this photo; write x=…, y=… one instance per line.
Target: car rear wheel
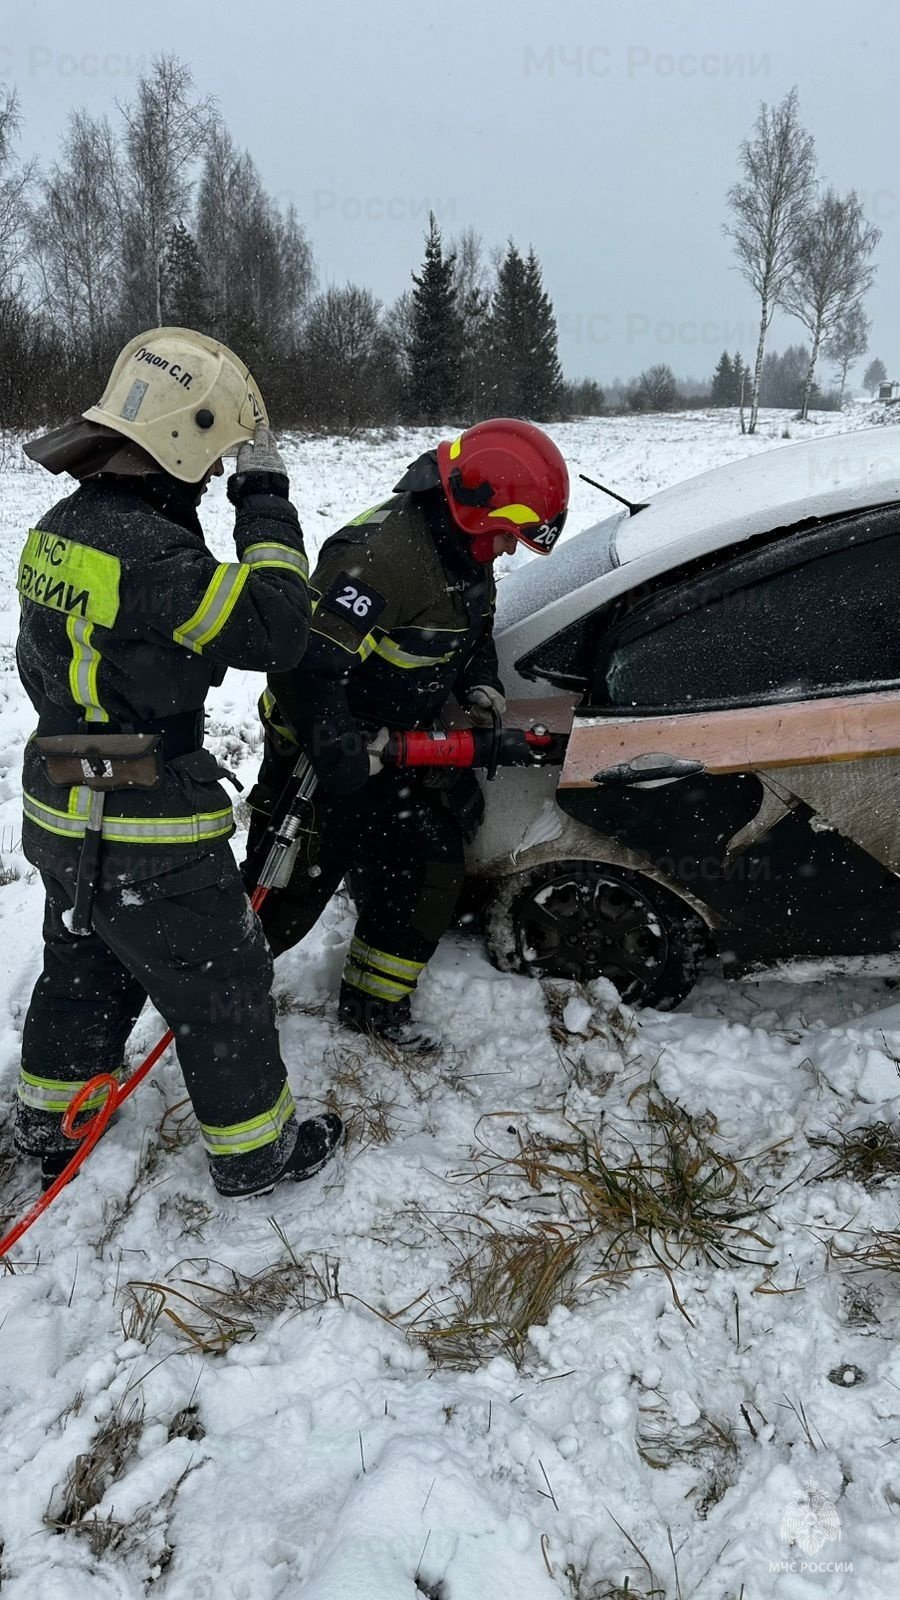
x=585, y=919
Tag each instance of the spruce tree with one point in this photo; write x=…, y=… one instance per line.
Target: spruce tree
x=184, y=299
x=506, y=377
x=722, y=393
x=542, y=379
x=435, y=351
x=525, y=377
x=475, y=366
x=740, y=379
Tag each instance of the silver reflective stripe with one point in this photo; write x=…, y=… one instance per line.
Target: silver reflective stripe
x=276, y=555
x=54, y=821
x=378, y=513
x=51, y=1094
x=167, y=830
x=133, y=830
x=83, y=669
x=219, y=600
x=242, y=1137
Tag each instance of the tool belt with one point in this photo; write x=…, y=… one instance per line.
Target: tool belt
x=102, y=763
x=175, y=736
x=104, y=760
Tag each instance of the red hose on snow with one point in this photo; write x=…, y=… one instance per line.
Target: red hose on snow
x=92, y=1129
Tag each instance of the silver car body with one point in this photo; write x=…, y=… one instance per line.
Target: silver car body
x=766, y=492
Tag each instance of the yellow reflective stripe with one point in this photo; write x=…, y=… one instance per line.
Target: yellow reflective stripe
x=363, y=650
x=83, y=669
x=79, y=801
x=276, y=555
x=390, y=651
x=241, y=1137
x=267, y=709
x=219, y=600
x=456, y=447
x=517, y=514
x=55, y=1094
x=397, y=966
x=70, y=578
x=377, y=513
x=201, y=827
x=371, y=983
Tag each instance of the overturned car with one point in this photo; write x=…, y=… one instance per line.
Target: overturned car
x=726, y=661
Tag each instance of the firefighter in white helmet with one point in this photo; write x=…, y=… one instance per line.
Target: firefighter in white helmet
x=127, y=620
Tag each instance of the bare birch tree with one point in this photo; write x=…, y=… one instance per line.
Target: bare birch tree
x=874, y=376
x=166, y=130
x=347, y=358
x=831, y=273
x=76, y=236
x=257, y=260
x=15, y=183
x=768, y=207
x=849, y=341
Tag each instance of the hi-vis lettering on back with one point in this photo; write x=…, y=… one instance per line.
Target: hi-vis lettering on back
x=70, y=578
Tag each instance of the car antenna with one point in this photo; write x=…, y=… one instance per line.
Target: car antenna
x=633, y=505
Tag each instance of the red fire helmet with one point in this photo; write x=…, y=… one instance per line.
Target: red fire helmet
x=506, y=476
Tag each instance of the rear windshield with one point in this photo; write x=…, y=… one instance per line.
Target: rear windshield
x=577, y=561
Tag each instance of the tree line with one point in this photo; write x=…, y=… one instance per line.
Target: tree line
x=159, y=218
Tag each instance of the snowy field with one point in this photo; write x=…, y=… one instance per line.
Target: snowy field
x=597, y=1305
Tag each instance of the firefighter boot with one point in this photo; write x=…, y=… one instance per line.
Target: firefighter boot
x=318, y=1139
x=388, y=1020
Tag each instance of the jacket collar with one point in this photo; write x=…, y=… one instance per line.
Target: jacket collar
x=171, y=498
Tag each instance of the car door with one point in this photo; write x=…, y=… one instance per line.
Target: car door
x=741, y=730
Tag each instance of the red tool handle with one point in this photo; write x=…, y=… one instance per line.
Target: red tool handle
x=431, y=749
x=472, y=747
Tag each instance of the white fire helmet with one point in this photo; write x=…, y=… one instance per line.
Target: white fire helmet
x=184, y=398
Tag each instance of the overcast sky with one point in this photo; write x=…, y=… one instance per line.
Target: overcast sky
x=604, y=134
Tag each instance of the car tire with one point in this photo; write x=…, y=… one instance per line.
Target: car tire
x=585, y=919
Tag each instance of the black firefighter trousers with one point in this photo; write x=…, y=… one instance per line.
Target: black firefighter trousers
x=188, y=940
x=400, y=842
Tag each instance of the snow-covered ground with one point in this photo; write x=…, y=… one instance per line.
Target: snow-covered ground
x=334, y=1393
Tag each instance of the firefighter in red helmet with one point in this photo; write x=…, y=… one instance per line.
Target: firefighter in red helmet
x=403, y=601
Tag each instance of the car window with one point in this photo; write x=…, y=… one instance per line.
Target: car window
x=811, y=613
x=568, y=658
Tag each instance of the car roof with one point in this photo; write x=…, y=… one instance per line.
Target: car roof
x=776, y=488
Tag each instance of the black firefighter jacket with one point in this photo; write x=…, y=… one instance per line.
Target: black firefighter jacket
x=402, y=619
x=127, y=619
